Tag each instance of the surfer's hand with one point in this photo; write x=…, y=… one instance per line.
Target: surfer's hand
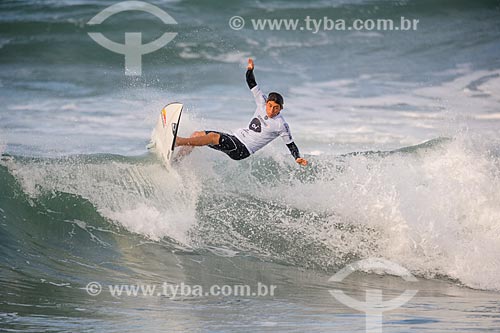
x=301, y=161
x=250, y=64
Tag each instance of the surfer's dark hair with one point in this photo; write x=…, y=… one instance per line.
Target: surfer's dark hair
x=275, y=97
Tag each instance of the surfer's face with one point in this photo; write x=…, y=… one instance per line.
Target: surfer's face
x=272, y=109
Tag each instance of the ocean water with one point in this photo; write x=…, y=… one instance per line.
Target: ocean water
x=400, y=129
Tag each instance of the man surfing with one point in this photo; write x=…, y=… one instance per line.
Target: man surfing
x=266, y=125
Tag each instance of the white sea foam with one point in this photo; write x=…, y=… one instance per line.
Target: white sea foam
x=145, y=199
x=437, y=210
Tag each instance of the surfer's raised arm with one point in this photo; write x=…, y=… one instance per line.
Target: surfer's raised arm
x=250, y=77
x=258, y=95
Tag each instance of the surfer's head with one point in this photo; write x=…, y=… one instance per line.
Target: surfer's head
x=274, y=104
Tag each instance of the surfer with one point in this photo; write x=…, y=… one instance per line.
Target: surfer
x=266, y=125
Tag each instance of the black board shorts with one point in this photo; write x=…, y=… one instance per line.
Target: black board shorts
x=230, y=145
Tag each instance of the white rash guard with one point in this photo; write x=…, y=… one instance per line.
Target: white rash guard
x=262, y=129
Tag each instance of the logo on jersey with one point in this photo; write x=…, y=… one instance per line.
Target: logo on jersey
x=263, y=121
x=255, y=125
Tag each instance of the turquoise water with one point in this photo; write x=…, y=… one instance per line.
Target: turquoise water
x=401, y=129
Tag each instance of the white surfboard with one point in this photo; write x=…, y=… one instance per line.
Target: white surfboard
x=165, y=133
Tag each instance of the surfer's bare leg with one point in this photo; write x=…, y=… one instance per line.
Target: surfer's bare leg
x=198, y=138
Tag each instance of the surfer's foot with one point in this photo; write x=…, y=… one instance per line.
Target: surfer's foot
x=185, y=149
x=183, y=152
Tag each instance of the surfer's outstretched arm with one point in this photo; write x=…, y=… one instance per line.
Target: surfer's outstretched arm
x=286, y=135
x=294, y=150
